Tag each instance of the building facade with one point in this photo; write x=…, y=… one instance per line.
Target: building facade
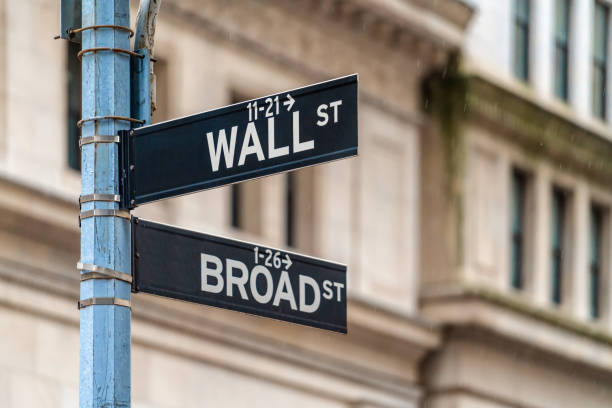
x=521, y=280
x=475, y=222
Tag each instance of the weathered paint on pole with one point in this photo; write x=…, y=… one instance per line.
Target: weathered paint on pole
x=105, y=240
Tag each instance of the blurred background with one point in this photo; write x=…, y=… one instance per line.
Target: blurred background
x=475, y=222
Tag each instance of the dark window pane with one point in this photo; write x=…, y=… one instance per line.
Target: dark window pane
x=595, y=261
x=600, y=32
x=561, y=73
x=236, y=203
x=521, y=38
x=598, y=90
x=518, y=220
x=557, y=250
x=290, y=209
x=74, y=105
x=562, y=9
x=600, y=60
x=522, y=10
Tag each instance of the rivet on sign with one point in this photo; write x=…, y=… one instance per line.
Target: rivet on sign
x=132, y=202
x=131, y=167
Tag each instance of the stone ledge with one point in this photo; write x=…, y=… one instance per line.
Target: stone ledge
x=511, y=317
x=388, y=371
x=542, y=129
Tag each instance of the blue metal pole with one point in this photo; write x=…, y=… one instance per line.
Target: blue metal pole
x=105, y=237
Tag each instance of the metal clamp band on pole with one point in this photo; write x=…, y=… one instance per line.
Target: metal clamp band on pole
x=99, y=197
x=95, y=27
x=98, y=139
x=99, y=272
x=101, y=212
x=105, y=301
x=125, y=118
x=119, y=50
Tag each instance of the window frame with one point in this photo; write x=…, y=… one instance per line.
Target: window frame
x=291, y=186
x=518, y=230
x=558, y=245
x=521, y=23
x=561, y=38
x=599, y=63
x=597, y=217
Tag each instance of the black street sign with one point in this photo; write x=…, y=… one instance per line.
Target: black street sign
x=236, y=275
x=264, y=136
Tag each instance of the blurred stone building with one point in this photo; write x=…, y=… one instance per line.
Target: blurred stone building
x=475, y=222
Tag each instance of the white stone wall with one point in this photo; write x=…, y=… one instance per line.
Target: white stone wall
x=488, y=225
x=489, y=48
x=364, y=213
x=354, y=224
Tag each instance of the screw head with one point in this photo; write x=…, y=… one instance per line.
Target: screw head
x=131, y=167
x=133, y=202
x=131, y=132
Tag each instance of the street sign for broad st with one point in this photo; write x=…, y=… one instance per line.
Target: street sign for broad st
x=256, y=138
x=236, y=275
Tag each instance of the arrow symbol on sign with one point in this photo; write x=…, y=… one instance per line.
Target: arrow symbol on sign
x=287, y=262
x=290, y=101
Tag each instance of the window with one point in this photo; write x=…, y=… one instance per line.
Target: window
x=518, y=228
x=299, y=211
x=521, y=39
x=562, y=27
x=595, y=256
x=236, y=205
x=245, y=197
x=600, y=58
x=74, y=105
x=246, y=206
x=290, y=210
x=559, y=202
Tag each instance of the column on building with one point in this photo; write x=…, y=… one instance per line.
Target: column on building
x=580, y=56
x=578, y=265
x=541, y=270
x=541, y=52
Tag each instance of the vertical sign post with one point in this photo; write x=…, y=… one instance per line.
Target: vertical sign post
x=105, y=229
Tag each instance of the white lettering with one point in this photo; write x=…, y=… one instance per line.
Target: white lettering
x=261, y=270
x=314, y=306
x=339, y=286
x=215, y=152
x=335, y=105
x=284, y=291
x=328, y=290
x=232, y=280
x=216, y=273
x=272, y=151
x=247, y=148
x=322, y=113
x=297, y=145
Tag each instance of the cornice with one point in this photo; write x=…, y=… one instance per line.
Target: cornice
x=396, y=22
x=302, y=65
x=515, y=318
x=201, y=340
x=30, y=211
x=541, y=130
x=398, y=340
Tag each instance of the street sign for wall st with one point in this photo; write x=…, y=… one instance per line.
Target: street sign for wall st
x=236, y=275
x=256, y=138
